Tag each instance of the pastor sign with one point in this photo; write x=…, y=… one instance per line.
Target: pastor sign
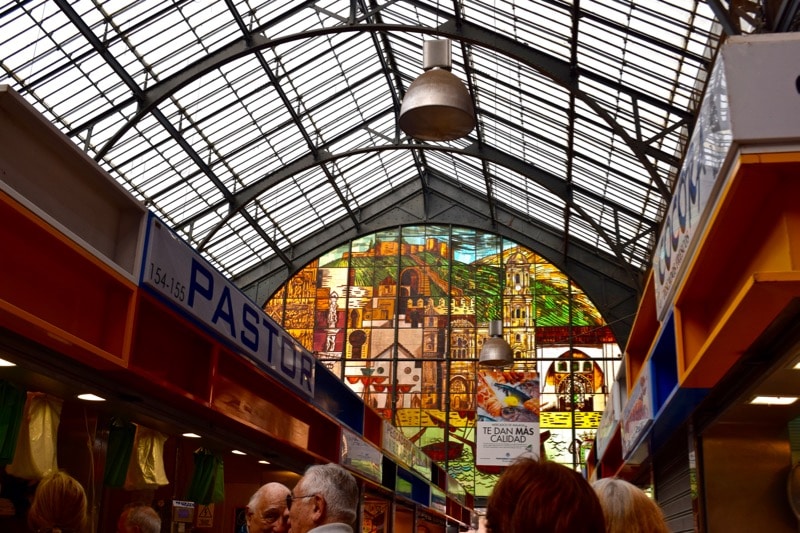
x=178, y=274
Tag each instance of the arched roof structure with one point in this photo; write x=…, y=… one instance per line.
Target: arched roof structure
x=265, y=133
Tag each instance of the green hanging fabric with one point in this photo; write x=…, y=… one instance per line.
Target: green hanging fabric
x=120, y=446
x=218, y=487
x=207, y=485
x=12, y=406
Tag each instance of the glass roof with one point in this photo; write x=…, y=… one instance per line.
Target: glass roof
x=266, y=132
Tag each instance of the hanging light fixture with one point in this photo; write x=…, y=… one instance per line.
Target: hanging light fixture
x=437, y=106
x=495, y=351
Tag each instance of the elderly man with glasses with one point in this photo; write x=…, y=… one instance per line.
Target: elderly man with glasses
x=325, y=500
x=266, y=509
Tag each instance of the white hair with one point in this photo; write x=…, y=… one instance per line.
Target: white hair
x=337, y=486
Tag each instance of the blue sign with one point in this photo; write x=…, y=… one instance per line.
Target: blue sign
x=178, y=274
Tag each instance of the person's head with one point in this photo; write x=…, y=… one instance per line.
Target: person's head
x=138, y=518
x=265, y=510
x=627, y=508
x=59, y=504
x=326, y=494
x=534, y=495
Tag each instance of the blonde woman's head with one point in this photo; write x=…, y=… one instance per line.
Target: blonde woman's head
x=627, y=508
x=59, y=504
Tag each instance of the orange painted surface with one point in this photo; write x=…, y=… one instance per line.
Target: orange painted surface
x=58, y=294
x=745, y=270
x=643, y=333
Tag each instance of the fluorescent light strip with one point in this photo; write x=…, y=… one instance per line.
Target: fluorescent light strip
x=773, y=400
x=91, y=398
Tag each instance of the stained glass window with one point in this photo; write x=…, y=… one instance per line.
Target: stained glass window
x=401, y=315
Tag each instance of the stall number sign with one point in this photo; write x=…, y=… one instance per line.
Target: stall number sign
x=177, y=273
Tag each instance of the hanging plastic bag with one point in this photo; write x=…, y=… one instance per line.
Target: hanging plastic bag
x=146, y=468
x=37, y=444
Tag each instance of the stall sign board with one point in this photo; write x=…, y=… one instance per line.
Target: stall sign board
x=361, y=456
x=179, y=275
x=750, y=105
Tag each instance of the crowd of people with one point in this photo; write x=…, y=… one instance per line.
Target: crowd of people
x=530, y=495
x=324, y=500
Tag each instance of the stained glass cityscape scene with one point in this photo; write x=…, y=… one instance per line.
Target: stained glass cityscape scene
x=401, y=316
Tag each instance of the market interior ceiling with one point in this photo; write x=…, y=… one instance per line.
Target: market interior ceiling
x=266, y=133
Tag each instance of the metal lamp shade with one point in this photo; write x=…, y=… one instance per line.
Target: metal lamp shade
x=495, y=351
x=437, y=107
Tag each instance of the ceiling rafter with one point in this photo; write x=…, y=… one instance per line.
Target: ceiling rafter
x=253, y=41
x=168, y=126
x=292, y=113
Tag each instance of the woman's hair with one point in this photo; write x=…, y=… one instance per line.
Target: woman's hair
x=337, y=486
x=533, y=495
x=627, y=508
x=59, y=504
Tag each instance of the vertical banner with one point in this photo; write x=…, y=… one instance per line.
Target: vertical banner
x=508, y=417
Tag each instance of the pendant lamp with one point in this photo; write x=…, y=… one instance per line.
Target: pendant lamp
x=495, y=351
x=437, y=105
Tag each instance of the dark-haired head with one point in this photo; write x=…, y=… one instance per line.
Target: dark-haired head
x=543, y=496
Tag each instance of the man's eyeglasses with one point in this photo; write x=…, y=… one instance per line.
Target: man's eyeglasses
x=270, y=517
x=289, y=499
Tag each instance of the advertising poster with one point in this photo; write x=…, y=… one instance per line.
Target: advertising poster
x=637, y=415
x=508, y=416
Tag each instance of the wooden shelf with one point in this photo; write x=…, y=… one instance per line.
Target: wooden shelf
x=744, y=270
x=57, y=293
x=373, y=426
x=170, y=351
x=643, y=333
x=611, y=463
x=334, y=397
x=246, y=393
x=663, y=364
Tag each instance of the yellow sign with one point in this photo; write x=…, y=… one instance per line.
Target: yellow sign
x=205, y=515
